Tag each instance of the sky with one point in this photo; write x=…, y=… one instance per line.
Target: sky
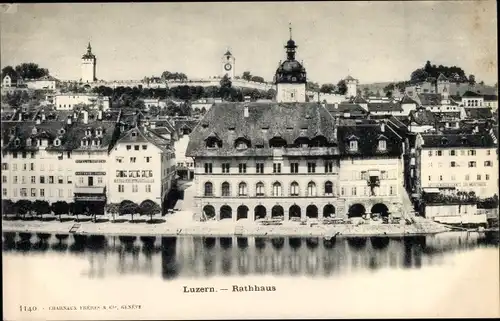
x=371, y=41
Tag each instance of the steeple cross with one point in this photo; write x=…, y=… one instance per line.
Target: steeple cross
x=290, y=29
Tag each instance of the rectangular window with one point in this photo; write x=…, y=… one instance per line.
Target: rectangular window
x=488, y=152
x=5, y=166
x=132, y=159
x=15, y=192
x=14, y=167
x=134, y=188
x=148, y=159
x=294, y=168
x=462, y=153
x=382, y=145
x=225, y=167
x=80, y=180
x=487, y=177
x=15, y=179
x=148, y=188
x=439, y=153
x=60, y=180
x=430, y=178
x=4, y=179
x=440, y=177
x=51, y=167
x=353, y=145
x=33, y=179
x=311, y=167
x=391, y=190
x=4, y=192
x=478, y=177
x=208, y=168
x=144, y=147
x=472, y=164
x=136, y=147
x=119, y=159
x=259, y=168
x=488, y=163
x=242, y=168
x=33, y=192
x=32, y=166
x=32, y=155
x=42, y=192
x=42, y=167
x=129, y=147
x=25, y=167
x=42, y=179
x=121, y=188
x=452, y=152
x=99, y=180
x=453, y=164
x=430, y=153
x=453, y=177
x=69, y=180
x=24, y=192
x=24, y=154
x=354, y=191
x=51, y=179
x=342, y=191
x=276, y=168
x=23, y=179
x=471, y=152
x=328, y=167
x=60, y=192
x=467, y=177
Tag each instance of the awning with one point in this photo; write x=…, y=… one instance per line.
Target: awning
x=93, y=198
x=89, y=190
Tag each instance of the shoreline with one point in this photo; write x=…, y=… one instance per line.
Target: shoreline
x=222, y=229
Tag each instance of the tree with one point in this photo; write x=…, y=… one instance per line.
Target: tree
x=9, y=71
x=23, y=207
x=225, y=87
x=113, y=209
x=31, y=71
x=139, y=104
x=246, y=75
x=418, y=75
x=7, y=207
x=257, y=79
x=271, y=94
x=41, y=207
x=16, y=99
x=388, y=94
x=366, y=92
x=472, y=80
x=150, y=208
x=327, y=88
x=78, y=209
x=312, y=86
x=341, y=87
x=59, y=208
x=128, y=207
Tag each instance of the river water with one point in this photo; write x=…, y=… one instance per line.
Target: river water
x=306, y=271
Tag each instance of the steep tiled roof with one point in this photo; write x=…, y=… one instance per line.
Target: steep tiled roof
x=359, y=100
x=407, y=100
x=264, y=122
x=469, y=93
x=423, y=117
x=478, y=113
x=446, y=140
x=441, y=77
x=353, y=109
x=427, y=99
x=140, y=134
x=490, y=97
x=368, y=135
x=374, y=107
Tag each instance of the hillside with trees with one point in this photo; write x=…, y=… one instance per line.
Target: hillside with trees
x=25, y=70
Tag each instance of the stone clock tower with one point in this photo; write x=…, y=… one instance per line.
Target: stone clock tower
x=228, y=65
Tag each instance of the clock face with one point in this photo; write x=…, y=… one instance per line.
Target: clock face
x=228, y=67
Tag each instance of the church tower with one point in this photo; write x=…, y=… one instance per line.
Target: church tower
x=88, y=66
x=228, y=64
x=290, y=77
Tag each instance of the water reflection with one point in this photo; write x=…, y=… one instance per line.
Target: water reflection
x=174, y=257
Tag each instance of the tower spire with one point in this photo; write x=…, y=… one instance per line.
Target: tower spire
x=290, y=29
x=89, y=48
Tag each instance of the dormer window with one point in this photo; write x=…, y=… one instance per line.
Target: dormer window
x=34, y=131
x=61, y=131
x=99, y=132
x=88, y=132
x=211, y=143
x=353, y=145
x=444, y=141
x=28, y=142
x=134, y=134
x=382, y=144
x=17, y=142
x=57, y=142
x=231, y=129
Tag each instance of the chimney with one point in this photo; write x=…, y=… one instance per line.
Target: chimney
x=75, y=115
x=99, y=115
x=476, y=129
x=69, y=120
x=38, y=121
x=43, y=116
x=382, y=127
x=245, y=111
x=85, y=117
x=20, y=116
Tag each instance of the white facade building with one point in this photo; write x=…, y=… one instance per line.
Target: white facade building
x=69, y=100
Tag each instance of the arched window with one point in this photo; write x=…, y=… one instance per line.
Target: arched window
x=259, y=189
x=242, y=189
x=328, y=188
x=209, y=189
x=311, y=189
x=277, y=189
x=225, y=189
x=294, y=189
